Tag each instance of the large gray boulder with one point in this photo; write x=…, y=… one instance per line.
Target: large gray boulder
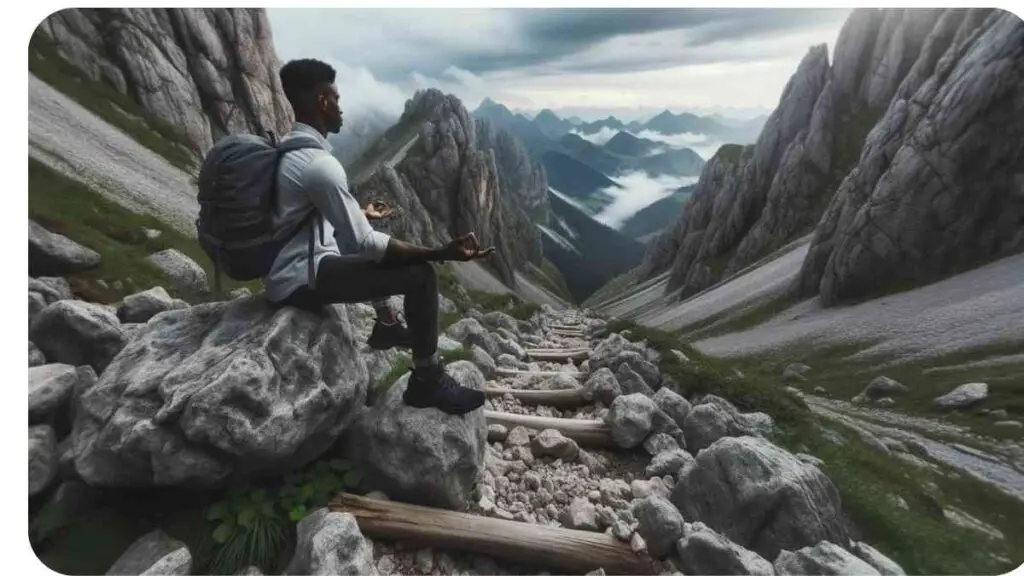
x=181, y=270
x=825, y=558
x=230, y=388
x=879, y=561
x=484, y=361
x=421, y=455
x=673, y=404
x=704, y=551
x=36, y=304
x=670, y=462
x=76, y=332
x=330, y=543
x=760, y=496
x=141, y=307
x=42, y=458
x=633, y=417
x=362, y=317
x=154, y=554
x=51, y=254
x=882, y=387
x=716, y=418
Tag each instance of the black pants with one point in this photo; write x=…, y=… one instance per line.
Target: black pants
x=340, y=282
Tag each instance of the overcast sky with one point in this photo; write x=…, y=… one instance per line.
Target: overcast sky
x=590, y=62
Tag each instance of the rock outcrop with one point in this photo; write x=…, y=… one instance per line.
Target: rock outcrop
x=203, y=72
x=431, y=167
x=219, y=390
x=901, y=159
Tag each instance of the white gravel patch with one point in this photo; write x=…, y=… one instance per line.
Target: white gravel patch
x=980, y=307
x=72, y=140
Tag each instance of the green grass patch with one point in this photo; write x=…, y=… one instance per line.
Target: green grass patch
x=844, y=378
x=508, y=303
x=706, y=375
x=553, y=280
x=920, y=539
x=121, y=111
x=68, y=207
x=732, y=152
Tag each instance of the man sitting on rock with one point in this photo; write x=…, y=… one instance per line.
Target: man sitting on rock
x=340, y=258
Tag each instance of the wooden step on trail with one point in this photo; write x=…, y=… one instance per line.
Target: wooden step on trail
x=558, y=354
x=586, y=433
x=560, y=399
x=510, y=373
x=562, y=549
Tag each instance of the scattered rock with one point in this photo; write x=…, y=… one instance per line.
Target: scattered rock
x=704, y=551
x=483, y=361
x=883, y=387
x=51, y=288
x=1008, y=424
x=632, y=383
x=760, y=496
x=963, y=396
x=155, y=553
x=654, y=487
x=820, y=391
x=150, y=233
x=518, y=436
x=331, y=543
x=36, y=304
x=825, y=558
x=680, y=356
x=35, y=355
x=809, y=459
x=630, y=418
x=42, y=458
x=552, y=443
x=182, y=271
x=658, y=443
x=964, y=520
x=580, y=515
x=446, y=344
x=885, y=402
x=561, y=381
x=76, y=332
x=997, y=414
x=661, y=524
x=51, y=254
x=496, y=433
x=239, y=293
x=144, y=305
x=637, y=543
x=50, y=389
x=879, y=561
x=674, y=462
x=195, y=396
x=673, y=404
x=715, y=418
x=602, y=386
x=795, y=372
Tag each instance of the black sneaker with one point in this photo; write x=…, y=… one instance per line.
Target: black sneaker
x=434, y=388
x=385, y=337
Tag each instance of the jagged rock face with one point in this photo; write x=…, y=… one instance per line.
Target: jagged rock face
x=206, y=72
x=825, y=152
x=445, y=185
x=939, y=185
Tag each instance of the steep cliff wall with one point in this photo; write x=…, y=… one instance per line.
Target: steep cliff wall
x=431, y=167
x=898, y=76
x=204, y=72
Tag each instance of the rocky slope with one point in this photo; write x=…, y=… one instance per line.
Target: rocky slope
x=431, y=167
x=206, y=72
x=892, y=112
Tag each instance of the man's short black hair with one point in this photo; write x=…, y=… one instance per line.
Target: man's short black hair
x=300, y=77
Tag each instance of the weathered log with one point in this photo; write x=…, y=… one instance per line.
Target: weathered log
x=508, y=372
x=586, y=433
x=535, y=545
x=554, y=398
x=558, y=354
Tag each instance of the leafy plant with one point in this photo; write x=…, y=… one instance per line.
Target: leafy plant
x=250, y=530
x=314, y=487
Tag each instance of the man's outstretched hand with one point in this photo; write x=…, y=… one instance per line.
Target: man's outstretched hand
x=378, y=210
x=465, y=248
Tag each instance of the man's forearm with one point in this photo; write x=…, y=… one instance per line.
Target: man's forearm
x=399, y=251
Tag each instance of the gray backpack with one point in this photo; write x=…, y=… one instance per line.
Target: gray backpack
x=237, y=190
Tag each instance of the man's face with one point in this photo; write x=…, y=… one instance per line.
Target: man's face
x=330, y=109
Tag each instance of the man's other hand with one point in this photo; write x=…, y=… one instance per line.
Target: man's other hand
x=465, y=248
x=378, y=210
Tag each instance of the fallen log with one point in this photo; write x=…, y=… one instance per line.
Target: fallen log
x=556, y=354
x=586, y=433
x=535, y=545
x=554, y=398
